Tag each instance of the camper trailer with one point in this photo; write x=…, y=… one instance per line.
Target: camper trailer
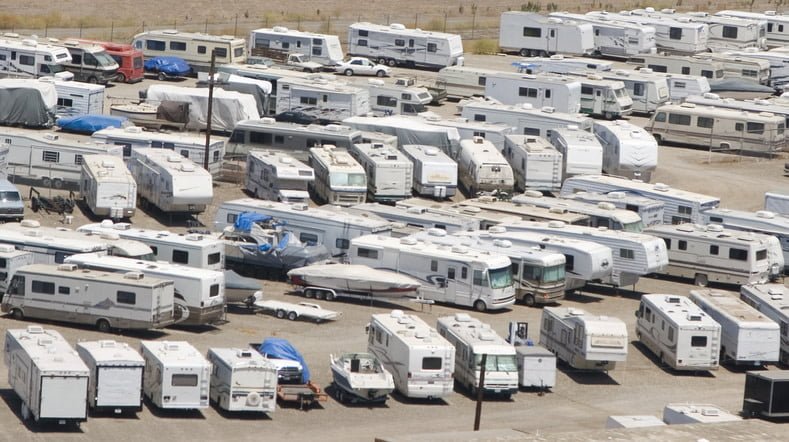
x=754, y=105
x=708, y=68
x=482, y=168
x=530, y=34
x=320, y=48
x=47, y=375
x=509, y=211
x=562, y=64
x=393, y=99
x=535, y=162
x=420, y=218
x=10, y=260
x=628, y=150
x=390, y=173
x=422, y=362
x=650, y=211
x=321, y=98
x=170, y=182
x=193, y=47
x=772, y=300
x=435, y=173
x=76, y=98
x=339, y=179
x=242, y=380
x=765, y=394
x=747, y=336
x=277, y=176
x=647, y=89
x=682, y=86
x=474, y=340
x=761, y=221
x=493, y=132
x=584, y=341
x=674, y=36
x=678, y=332
x=525, y=119
x=463, y=81
x=615, y=39
x=778, y=59
x=559, y=92
x=600, y=214
x=536, y=367
x=395, y=44
x=410, y=130
x=29, y=58
x=294, y=139
x=581, y=151
x=115, y=375
x=108, y=187
x=756, y=70
x=777, y=24
x=176, y=375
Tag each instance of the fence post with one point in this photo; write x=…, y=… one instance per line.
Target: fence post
x=473, y=20
x=445, y=22
x=80, y=29
x=206, y=25
x=46, y=30
x=416, y=20
x=235, y=27
x=112, y=29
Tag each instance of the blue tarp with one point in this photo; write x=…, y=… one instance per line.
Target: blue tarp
x=173, y=66
x=281, y=349
x=87, y=124
x=245, y=220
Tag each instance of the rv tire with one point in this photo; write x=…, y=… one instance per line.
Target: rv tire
x=309, y=293
x=381, y=60
x=529, y=300
x=103, y=326
x=120, y=78
x=292, y=316
x=329, y=296
x=348, y=72
x=524, y=52
x=480, y=306
x=57, y=183
x=392, y=62
x=17, y=314
x=280, y=314
x=319, y=294
x=658, y=139
x=46, y=182
x=93, y=80
x=701, y=280
x=161, y=76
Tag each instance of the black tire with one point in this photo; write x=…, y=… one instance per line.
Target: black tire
x=292, y=316
x=329, y=296
x=46, y=182
x=380, y=73
x=161, y=76
x=319, y=294
x=120, y=78
x=348, y=72
x=17, y=314
x=103, y=326
x=392, y=62
x=57, y=183
x=35, y=205
x=381, y=60
x=523, y=52
x=93, y=80
x=529, y=300
x=309, y=293
x=701, y=280
x=281, y=314
x=479, y=305
x=658, y=139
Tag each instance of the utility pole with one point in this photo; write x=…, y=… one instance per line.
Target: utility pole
x=210, y=108
x=480, y=391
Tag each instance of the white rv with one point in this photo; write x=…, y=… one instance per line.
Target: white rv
x=76, y=98
x=242, y=380
x=455, y=275
x=678, y=332
x=463, y=81
x=193, y=47
x=482, y=168
x=680, y=206
x=752, y=105
x=773, y=301
x=581, y=151
x=277, y=176
x=615, y=39
x=650, y=211
x=12, y=259
x=604, y=215
x=393, y=99
x=409, y=130
x=328, y=99
x=320, y=48
x=753, y=69
x=115, y=375
x=681, y=86
x=176, y=375
x=584, y=341
x=29, y=58
x=493, y=132
x=628, y=150
x=390, y=173
x=47, y=375
x=170, y=182
x=107, y=186
x=559, y=92
x=535, y=162
x=536, y=367
x=708, y=68
x=339, y=179
x=422, y=363
x=531, y=34
x=562, y=64
x=435, y=173
x=747, y=336
x=762, y=221
x=673, y=36
x=647, y=89
x=395, y=44
x=474, y=340
x=777, y=202
x=525, y=119
x=777, y=24
x=604, y=98
x=418, y=217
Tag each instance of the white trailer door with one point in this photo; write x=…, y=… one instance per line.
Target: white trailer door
x=64, y=397
x=118, y=386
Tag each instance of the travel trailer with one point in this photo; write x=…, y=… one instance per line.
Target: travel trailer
x=176, y=375
x=756, y=70
x=678, y=332
x=686, y=413
x=493, y=132
x=47, y=375
x=747, y=336
x=761, y=221
x=525, y=119
x=10, y=260
x=530, y=34
x=754, y=105
x=560, y=92
x=170, y=182
x=277, y=176
x=581, y=151
x=395, y=44
x=562, y=64
x=115, y=375
x=682, y=86
x=89, y=62
x=777, y=202
x=262, y=72
x=772, y=300
x=675, y=36
x=488, y=207
x=764, y=394
x=320, y=48
x=615, y=39
x=777, y=24
x=708, y=68
x=339, y=179
x=321, y=98
x=648, y=90
x=628, y=150
x=129, y=59
x=193, y=47
x=779, y=63
x=107, y=186
x=474, y=340
x=394, y=99
x=418, y=217
x=680, y=206
x=455, y=275
x=435, y=173
x=76, y=98
x=242, y=380
x=584, y=341
x=422, y=362
x=29, y=58
x=482, y=168
x=650, y=211
x=463, y=81
x=600, y=214
x=536, y=164
x=409, y=130
x=390, y=173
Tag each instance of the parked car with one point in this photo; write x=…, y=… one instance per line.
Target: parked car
x=362, y=66
x=167, y=67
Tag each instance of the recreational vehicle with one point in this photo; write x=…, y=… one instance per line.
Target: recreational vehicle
x=242, y=380
x=650, y=211
x=108, y=187
x=777, y=202
x=390, y=173
x=339, y=179
x=536, y=164
x=525, y=119
x=482, y=168
x=395, y=44
x=531, y=34
x=559, y=92
x=115, y=375
x=777, y=24
x=170, y=182
x=628, y=150
x=507, y=210
x=435, y=173
x=761, y=221
x=678, y=332
x=262, y=72
x=328, y=99
x=49, y=291
x=422, y=362
x=584, y=341
x=418, y=217
x=463, y=81
x=493, y=132
x=320, y=48
x=28, y=58
x=779, y=63
x=392, y=99
x=756, y=70
x=277, y=176
x=604, y=215
x=193, y=47
x=10, y=260
x=76, y=98
x=681, y=86
x=647, y=90
x=686, y=413
x=536, y=367
x=130, y=60
x=604, y=98
x=474, y=341
x=673, y=36
x=562, y=64
x=453, y=275
x=410, y=130
x=747, y=336
x=615, y=39
x=754, y=105
x=773, y=301
x=708, y=68
x=176, y=375
x=89, y=62
x=581, y=151
x=47, y=375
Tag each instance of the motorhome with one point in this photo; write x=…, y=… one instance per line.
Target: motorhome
x=713, y=254
x=628, y=150
x=525, y=119
x=681, y=86
x=535, y=162
x=328, y=99
x=263, y=72
x=773, y=301
x=557, y=91
x=410, y=130
x=680, y=206
x=687, y=413
x=581, y=151
x=320, y=48
x=89, y=62
x=761, y=221
x=678, y=332
x=562, y=64
x=604, y=98
x=753, y=105
x=777, y=24
x=107, y=186
x=710, y=69
x=277, y=176
x=29, y=58
x=531, y=34
x=390, y=173
x=475, y=341
x=129, y=59
x=747, y=336
x=76, y=98
x=482, y=168
x=191, y=146
x=493, y=132
x=435, y=173
x=647, y=89
x=12, y=208
x=115, y=375
x=600, y=214
x=47, y=375
x=463, y=81
x=508, y=210
x=615, y=39
x=176, y=375
x=242, y=380
x=392, y=99
x=10, y=260
x=650, y=211
x=394, y=44
x=339, y=179
x=673, y=36
x=582, y=340
x=756, y=70
x=170, y=182
x=454, y=275
x=779, y=63
x=193, y=47
x=418, y=217
x=422, y=362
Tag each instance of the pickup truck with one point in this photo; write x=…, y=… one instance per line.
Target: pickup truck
x=292, y=60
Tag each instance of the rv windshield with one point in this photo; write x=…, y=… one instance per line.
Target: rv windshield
x=104, y=60
x=500, y=278
x=498, y=363
x=635, y=227
x=553, y=273
x=620, y=93
x=348, y=179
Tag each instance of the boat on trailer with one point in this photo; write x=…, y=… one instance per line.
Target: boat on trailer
x=360, y=377
x=353, y=278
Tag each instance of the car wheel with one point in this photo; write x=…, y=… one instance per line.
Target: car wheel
x=348, y=72
x=120, y=78
x=161, y=76
x=380, y=73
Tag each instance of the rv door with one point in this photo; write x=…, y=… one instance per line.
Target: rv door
x=553, y=40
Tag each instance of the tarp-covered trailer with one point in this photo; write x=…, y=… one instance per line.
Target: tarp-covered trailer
x=27, y=103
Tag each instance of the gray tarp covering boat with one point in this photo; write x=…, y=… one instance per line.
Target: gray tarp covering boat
x=354, y=278
x=228, y=109
x=259, y=89
x=27, y=103
x=739, y=85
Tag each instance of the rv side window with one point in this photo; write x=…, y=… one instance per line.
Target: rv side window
x=553, y=33
x=675, y=33
x=547, y=93
x=213, y=291
x=43, y=287
x=685, y=70
x=450, y=273
x=214, y=258
x=385, y=101
x=698, y=341
x=399, y=42
x=638, y=89
x=216, y=156
x=308, y=238
x=679, y=220
x=626, y=253
x=569, y=262
x=362, y=33
x=201, y=50
x=705, y=122
x=17, y=286
x=49, y=156
x=658, y=68
x=738, y=254
x=671, y=334
x=761, y=255
x=660, y=117
x=155, y=45
x=361, y=42
x=231, y=219
x=528, y=92
x=432, y=47
x=123, y=297
x=478, y=117
x=220, y=52
x=749, y=73
x=464, y=273
x=679, y=85
x=587, y=90
x=668, y=243
x=177, y=46
x=706, y=73
x=342, y=243
x=713, y=250
x=515, y=269
x=259, y=138
x=63, y=290
x=180, y=257
x=481, y=82
x=738, y=127
x=367, y=253
x=479, y=278
x=682, y=245
x=155, y=250
x=532, y=32
x=755, y=128
x=433, y=265
x=184, y=380
x=769, y=27
x=640, y=312
x=184, y=153
x=531, y=131
x=680, y=119
x=685, y=210
x=648, y=314
x=431, y=363
x=547, y=324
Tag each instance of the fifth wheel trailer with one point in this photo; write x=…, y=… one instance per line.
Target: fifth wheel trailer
x=115, y=375
x=395, y=44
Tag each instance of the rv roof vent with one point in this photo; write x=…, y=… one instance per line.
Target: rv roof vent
x=29, y=42
x=30, y=223
x=692, y=317
x=267, y=120
x=396, y=314
x=605, y=205
x=497, y=229
x=478, y=140
x=279, y=29
x=503, y=243
x=621, y=73
x=67, y=267
x=133, y=275
x=616, y=195
x=554, y=20
x=688, y=105
x=462, y=317
x=107, y=343
x=710, y=412
x=673, y=299
x=244, y=354
x=107, y=164
x=431, y=151
x=470, y=209
x=594, y=77
x=106, y=224
x=715, y=228
x=408, y=241
x=767, y=114
x=775, y=295
x=35, y=329
x=187, y=167
x=6, y=248
x=376, y=82
x=34, y=233
x=301, y=207
x=45, y=342
x=421, y=334
x=435, y=231
x=662, y=187
x=174, y=158
x=573, y=127
x=526, y=106
x=112, y=236
x=685, y=228
x=646, y=70
x=459, y=249
x=556, y=224
x=51, y=137
x=170, y=346
x=711, y=96
x=133, y=129
x=532, y=193
x=416, y=209
x=765, y=214
x=193, y=237
x=557, y=210
x=548, y=109
x=487, y=336
x=575, y=312
x=398, y=26
x=169, y=31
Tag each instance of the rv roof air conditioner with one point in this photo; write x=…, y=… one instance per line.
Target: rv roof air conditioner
x=617, y=195
x=548, y=109
x=431, y=151
x=462, y=317
x=672, y=300
x=605, y=205
x=408, y=241
x=497, y=229
x=715, y=228
x=301, y=207
x=174, y=158
x=106, y=223
x=6, y=248
x=533, y=193
x=662, y=187
x=775, y=295
x=67, y=267
x=435, y=231
x=503, y=243
x=575, y=312
x=35, y=330
x=765, y=214
x=51, y=137
x=556, y=224
x=134, y=275
x=186, y=167
x=279, y=29
x=170, y=31
x=459, y=249
x=107, y=343
x=244, y=354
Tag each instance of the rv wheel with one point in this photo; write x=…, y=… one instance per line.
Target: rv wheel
x=46, y=182
x=392, y=62
x=25, y=412
x=381, y=60
x=329, y=296
x=309, y=293
x=103, y=325
x=701, y=280
x=292, y=316
x=529, y=300
x=17, y=314
x=524, y=52
x=92, y=80
x=319, y=294
x=480, y=306
x=57, y=183
x=120, y=78
x=280, y=314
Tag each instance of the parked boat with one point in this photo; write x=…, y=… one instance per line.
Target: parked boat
x=354, y=278
x=360, y=377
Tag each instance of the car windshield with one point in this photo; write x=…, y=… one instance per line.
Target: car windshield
x=498, y=363
x=9, y=196
x=348, y=179
x=500, y=278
